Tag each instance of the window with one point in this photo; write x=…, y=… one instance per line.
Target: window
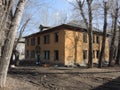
x=84, y=54
x=32, y=54
x=27, y=42
x=93, y=38
x=27, y=53
x=85, y=37
x=32, y=41
x=93, y=53
x=97, y=53
x=56, y=55
x=47, y=55
x=47, y=39
x=38, y=40
x=56, y=37
x=97, y=39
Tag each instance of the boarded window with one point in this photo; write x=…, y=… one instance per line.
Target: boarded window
x=46, y=39
x=85, y=37
x=84, y=54
x=56, y=55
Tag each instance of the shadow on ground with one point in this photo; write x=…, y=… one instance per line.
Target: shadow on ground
x=111, y=85
x=44, y=77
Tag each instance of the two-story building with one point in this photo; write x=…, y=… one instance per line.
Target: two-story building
x=64, y=44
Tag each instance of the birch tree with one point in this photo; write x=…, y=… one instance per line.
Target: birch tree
x=9, y=42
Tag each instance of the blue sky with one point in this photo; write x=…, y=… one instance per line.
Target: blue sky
x=52, y=13
x=46, y=12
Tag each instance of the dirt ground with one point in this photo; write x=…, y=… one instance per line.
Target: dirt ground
x=63, y=78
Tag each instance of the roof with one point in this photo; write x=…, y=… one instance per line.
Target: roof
x=69, y=26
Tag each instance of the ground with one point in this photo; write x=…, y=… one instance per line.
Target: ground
x=63, y=78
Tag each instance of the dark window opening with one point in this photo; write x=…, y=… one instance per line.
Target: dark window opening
x=97, y=53
x=56, y=55
x=56, y=37
x=84, y=54
x=38, y=40
x=97, y=39
x=93, y=38
x=47, y=39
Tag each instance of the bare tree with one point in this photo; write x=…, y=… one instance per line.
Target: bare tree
x=112, y=47
x=5, y=20
x=88, y=24
x=104, y=35
x=9, y=42
x=15, y=52
x=117, y=62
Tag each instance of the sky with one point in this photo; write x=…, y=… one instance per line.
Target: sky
x=52, y=13
x=46, y=12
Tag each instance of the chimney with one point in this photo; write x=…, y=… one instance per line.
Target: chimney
x=41, y=27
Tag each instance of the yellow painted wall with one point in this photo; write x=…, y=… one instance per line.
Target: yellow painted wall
x=66, y=47
x=71, y=56
x=51, y=46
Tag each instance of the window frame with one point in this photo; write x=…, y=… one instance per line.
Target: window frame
x=46, y=54
x=47, y=39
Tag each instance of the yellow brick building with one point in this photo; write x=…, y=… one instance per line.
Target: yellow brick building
x=64, y=44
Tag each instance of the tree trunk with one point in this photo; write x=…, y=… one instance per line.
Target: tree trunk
x=14, y=51
x=90, y=33
x=104, y=36
x=117, y=62
x=5, y=20
x=112, y=46
x=9, y=42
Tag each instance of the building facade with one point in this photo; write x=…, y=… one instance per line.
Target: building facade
x=64, y=44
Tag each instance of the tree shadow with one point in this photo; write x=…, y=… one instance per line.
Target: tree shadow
x=33, y=71
x=31, y=75
x=111, y=85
